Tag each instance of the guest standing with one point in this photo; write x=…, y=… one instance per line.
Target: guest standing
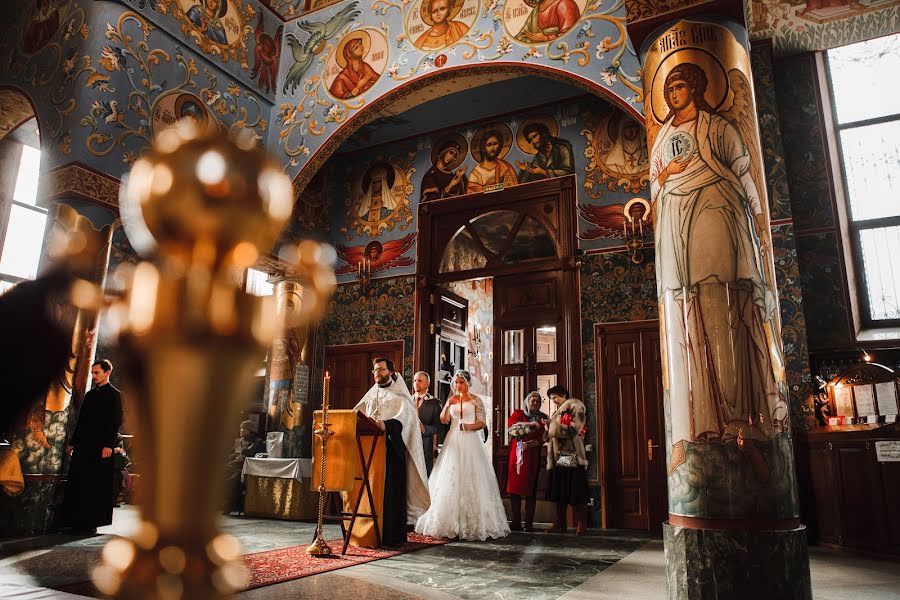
x=429, y=409
x=89, y=489
x=566, y=460
x=525, y=460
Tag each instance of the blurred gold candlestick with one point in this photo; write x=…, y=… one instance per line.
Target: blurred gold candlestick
x=319, y=547
x=205, y=207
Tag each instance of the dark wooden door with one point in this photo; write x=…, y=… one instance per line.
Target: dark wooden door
x=631, y=423
x=350, y=367
x=530, y=348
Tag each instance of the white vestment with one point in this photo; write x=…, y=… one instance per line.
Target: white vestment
x=395, y=402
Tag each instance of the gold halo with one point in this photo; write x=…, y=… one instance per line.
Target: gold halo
x=359, y=34
x=523, y=144
x=716, y=76
x=451, y=137
x=185, y=97
x=505, y=133
x=455, y=7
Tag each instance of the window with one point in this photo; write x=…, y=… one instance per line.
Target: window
x=257, y=283
x=867, y=119
x=23, y=237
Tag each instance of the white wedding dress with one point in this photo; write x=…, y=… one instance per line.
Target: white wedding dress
x=465, y=497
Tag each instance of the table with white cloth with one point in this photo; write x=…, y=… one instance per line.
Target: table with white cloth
x=278, y=488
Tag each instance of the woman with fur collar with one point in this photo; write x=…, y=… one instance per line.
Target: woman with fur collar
x=566, y=460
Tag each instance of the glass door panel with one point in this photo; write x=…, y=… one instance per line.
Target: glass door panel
x=513, y=346
x=545, y=344
x=544, y=383
x=513, y=391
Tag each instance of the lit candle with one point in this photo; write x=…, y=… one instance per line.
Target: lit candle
x=326, y=384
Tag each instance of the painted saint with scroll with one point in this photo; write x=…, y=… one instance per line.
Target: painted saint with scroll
x=719, y=306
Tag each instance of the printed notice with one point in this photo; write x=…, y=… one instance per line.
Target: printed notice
x=887, y=397
x=865, y=400
x=888, y=451
x=843, y=401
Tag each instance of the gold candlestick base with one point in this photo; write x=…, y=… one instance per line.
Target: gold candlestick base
x=319, y=548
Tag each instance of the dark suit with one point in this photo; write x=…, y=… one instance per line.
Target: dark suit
x=430, y=415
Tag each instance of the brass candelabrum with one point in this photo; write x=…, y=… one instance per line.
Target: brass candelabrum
x=319, y=547
x=204, y=207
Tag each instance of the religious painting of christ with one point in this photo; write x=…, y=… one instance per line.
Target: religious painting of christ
x=443, y=30
x=490, y=145
x=721, y=329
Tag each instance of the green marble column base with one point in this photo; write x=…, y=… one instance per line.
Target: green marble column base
x=704, y=564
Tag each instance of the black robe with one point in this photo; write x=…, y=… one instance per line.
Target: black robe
x=89, y=489
x=393, y=510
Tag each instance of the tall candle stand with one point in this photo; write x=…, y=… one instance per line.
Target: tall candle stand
x=319, y=547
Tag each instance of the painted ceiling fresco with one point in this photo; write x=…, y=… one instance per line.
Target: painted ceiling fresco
x=373, y=194
x=105, y=80
x=803, y=25
x=342, y=62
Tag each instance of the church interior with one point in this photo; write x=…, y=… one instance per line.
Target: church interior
x=683, y=214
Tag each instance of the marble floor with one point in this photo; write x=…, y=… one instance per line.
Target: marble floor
x=605, y=565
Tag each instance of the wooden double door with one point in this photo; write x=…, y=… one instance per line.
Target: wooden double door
x=350, y=367
x=632, y=425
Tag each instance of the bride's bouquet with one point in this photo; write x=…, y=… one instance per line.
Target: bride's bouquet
x=519, y=430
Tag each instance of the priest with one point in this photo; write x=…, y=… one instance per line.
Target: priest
x=391, y=406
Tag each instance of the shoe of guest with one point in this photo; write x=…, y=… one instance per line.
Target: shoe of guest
x=515, y=527
x=555, y=529
x=528, y=528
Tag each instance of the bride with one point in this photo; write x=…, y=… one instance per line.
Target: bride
x=465, y=498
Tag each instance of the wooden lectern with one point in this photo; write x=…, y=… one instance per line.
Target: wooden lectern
x=354, y=467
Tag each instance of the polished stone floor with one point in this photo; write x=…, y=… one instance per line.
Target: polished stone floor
x=606, y=565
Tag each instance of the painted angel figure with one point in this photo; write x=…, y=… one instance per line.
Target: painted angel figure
x=380, y=257
x=714, y=283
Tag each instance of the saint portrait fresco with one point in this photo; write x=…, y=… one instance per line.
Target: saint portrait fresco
x=617, y=148
x=437, y=24
x=378, y=199
x=447, y=175
x=219, y=27
x=175, y=105
x=541, y=21
x=490, y=144
x=356, y=64
x=207, y=17
x=553, y=155
x=720, y=307
x=42, y=23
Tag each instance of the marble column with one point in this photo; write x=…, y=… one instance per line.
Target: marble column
x=289, y=365
x=734, y=528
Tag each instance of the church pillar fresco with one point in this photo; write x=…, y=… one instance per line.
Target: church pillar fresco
x=731, y=471
x=289, y=363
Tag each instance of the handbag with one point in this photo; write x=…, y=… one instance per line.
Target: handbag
x=567, y=460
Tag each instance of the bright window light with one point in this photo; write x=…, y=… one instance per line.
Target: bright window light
x=257, y=284
x=24, y=240
x=29, y=172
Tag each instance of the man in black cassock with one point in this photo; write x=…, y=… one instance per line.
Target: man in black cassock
x=429, y=409
x=89, y=499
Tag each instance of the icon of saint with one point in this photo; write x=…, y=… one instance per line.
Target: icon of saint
x=356, y=76
x=553, y=157
x=207, y=17
x=444, y=31
x=491, y=169
x=548, y=20
x=446, y=177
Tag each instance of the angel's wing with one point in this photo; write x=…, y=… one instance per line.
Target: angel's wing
x=742, y=115
x=608, y=221
x=392, y=255
x=352, y=256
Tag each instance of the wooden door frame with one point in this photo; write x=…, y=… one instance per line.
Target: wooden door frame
x=601, y=331
x=389, y=345
x=563, y=190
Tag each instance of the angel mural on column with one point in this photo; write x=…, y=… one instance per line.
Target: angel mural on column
x=715, y=282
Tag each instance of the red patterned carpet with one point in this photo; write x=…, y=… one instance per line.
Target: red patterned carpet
x=285, y=564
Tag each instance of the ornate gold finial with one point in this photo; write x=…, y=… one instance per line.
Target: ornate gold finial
x=205, y=207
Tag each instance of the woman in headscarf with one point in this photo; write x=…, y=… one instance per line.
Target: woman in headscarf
x=465, y=499
x=357, y=76
x=525, y=459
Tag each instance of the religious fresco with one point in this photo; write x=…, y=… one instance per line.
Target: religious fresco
x=490, y=145
x=797, y=26
x=617, y=149
x=265, y=56
x=447, y=176
x=701, y=123
x=347, y=57
x=553, y=157
x=375, y=256
x=378, y=198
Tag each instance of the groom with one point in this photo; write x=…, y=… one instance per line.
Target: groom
x=389, y=403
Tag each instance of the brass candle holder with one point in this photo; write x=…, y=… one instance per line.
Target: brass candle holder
x=204, y=207
x=319, y=547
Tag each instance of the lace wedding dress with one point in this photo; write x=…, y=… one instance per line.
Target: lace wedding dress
x=465, y=497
